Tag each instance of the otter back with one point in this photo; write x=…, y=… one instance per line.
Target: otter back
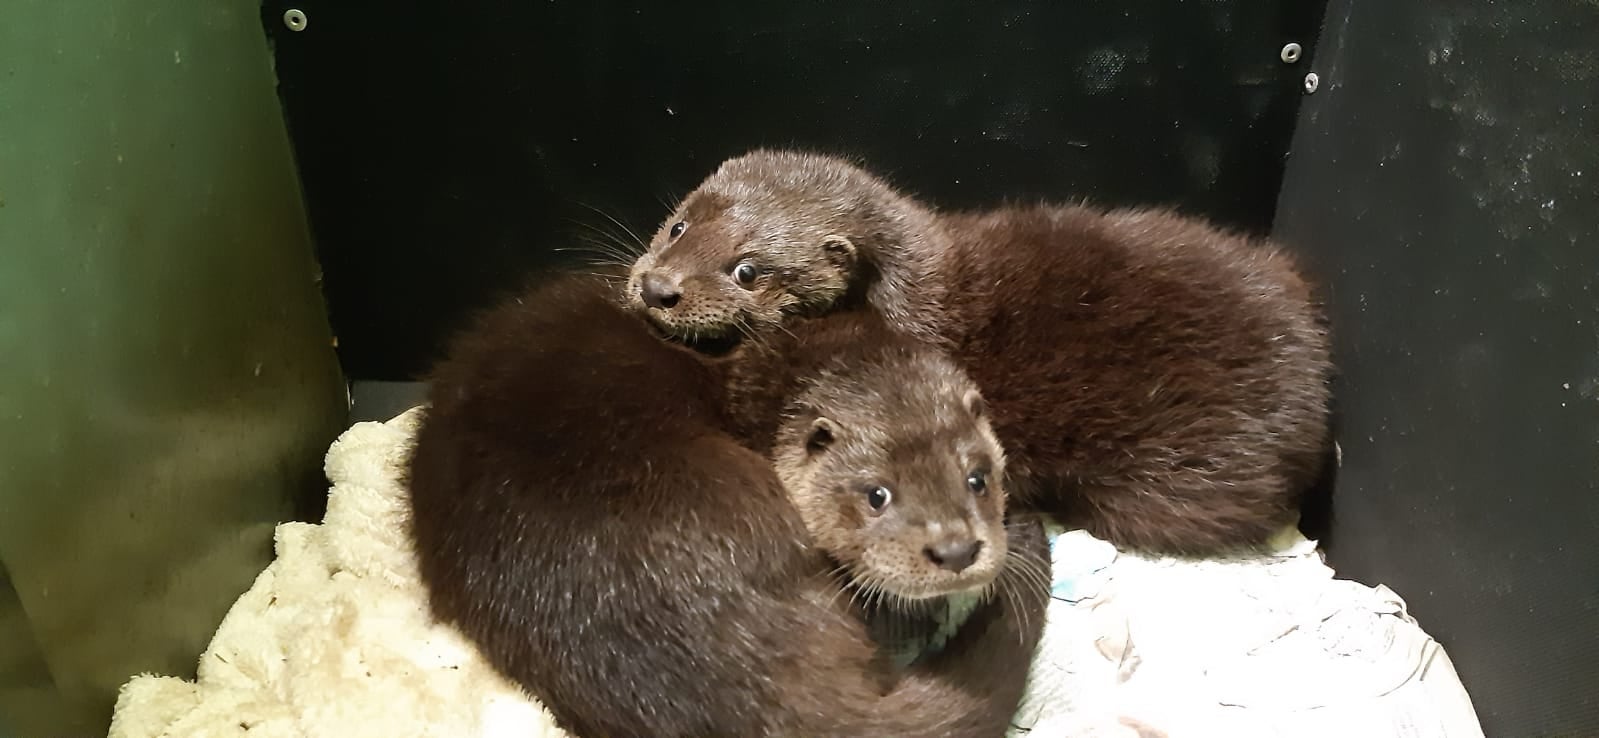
x=581, y=512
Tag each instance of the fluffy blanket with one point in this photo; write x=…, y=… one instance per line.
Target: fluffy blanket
x=333, y=639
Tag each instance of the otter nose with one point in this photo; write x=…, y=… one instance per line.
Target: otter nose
x=658, y=291
x=953, y=555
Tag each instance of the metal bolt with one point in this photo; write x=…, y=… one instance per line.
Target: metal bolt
x=1290, y=53
x=1311, y=83
x=295, y=19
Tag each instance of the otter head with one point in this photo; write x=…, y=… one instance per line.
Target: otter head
x=769, y=235
x=898, y=476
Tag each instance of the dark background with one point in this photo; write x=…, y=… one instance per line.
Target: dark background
x=1445, y=185
x=1441, y=186
x=448, y=149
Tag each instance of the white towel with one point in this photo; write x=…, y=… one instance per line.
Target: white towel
x=333, y=641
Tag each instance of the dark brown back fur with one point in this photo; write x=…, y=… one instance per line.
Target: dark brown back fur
x=581, y=512
x=1169, y=375
x=1154, y=379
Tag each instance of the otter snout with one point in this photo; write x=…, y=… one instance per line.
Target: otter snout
x=955, y=556
x=660, y=291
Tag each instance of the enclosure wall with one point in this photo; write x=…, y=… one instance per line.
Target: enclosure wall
x=1444, y=179
x=448, y=155
x=167, y=384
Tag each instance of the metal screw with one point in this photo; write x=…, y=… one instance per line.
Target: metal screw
x=295, y=19
x=1311, y=83
x=1290, y=53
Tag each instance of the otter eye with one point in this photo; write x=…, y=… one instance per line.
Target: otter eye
x=745, y=273
x=677, y=229
x=878, y=497
x=978, y=481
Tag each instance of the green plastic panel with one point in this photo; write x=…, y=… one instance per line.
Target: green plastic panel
x=167, y=381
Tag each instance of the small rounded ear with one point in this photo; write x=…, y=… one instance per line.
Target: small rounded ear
x=821, y=436
x=975, y=404
x=840, y=249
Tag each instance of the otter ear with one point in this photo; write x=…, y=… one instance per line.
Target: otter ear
x=840, y=249
x=975, y=404
x=821, y=436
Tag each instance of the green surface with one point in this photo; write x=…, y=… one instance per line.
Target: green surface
x=167, y=384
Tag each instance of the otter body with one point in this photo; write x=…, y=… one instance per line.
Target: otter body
x=1152, y=378
x=584, y=512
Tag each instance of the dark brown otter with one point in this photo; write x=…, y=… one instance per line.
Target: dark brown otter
x=903, y=401
x=1155, y=379
x=582, y=511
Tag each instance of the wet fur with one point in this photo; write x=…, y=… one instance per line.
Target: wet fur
x=1154, y=379
x=584, y=513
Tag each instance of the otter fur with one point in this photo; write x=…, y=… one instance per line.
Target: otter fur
x=584, y=510
x=1153, y=378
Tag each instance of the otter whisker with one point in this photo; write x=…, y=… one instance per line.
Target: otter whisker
x=861, y=590
x=595, y=256
x=609, y=242
x=874, y=593
x=1031, y=568
x=868, y=596
x=1026, y=559
x=613, y=245
x=641, y=242
x=610, y=266
x=1019, y=604
x=1042, y=568
x=669, y=201
x=605, y=244
x=786, y=330
x=608, y=235
x=882, y=597
x=745, y=333
x=1010, y=588
x=607, y=254
x=753, y=336
x=593, y=236
x=839, y=577
x=899, y=602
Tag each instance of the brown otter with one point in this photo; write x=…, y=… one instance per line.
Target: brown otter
x=1153, y=378
x=583, y=512
x=907, y=402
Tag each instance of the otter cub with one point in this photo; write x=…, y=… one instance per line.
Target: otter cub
x=911, y=411
x=1153, y=379
x=583, y=513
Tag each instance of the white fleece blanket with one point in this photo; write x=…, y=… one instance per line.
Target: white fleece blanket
x=333, y=640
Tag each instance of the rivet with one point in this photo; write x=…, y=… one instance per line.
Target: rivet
x=295, y=19
x=1311, y=83
x=1290, y=53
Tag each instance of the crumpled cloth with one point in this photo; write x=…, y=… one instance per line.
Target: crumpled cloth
x=333, y=640
x=1263, y=646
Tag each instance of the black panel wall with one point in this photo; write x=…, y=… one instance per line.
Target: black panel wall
x=448, y=148
x=1445, y=182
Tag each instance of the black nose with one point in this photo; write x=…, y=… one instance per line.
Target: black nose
x=658, y=291
x=953, y=555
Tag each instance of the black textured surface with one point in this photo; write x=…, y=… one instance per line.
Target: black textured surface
x=447, y=149
x=1445, y=181
x=381, y=401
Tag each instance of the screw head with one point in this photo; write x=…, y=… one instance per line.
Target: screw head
x=295, y=19
x=1312, y=82
x=1291, y=53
